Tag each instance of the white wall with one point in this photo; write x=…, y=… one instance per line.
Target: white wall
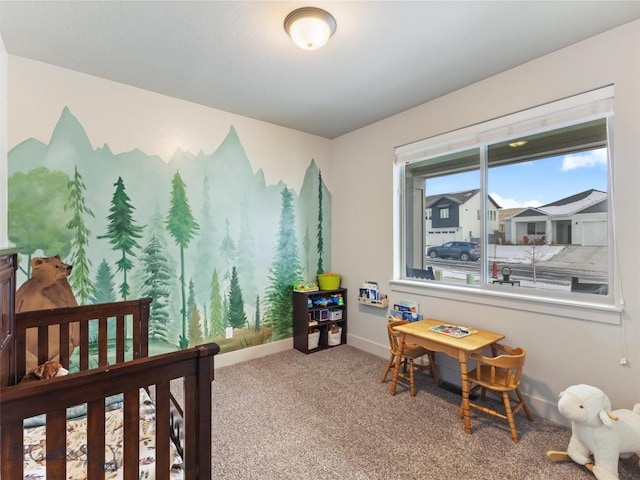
x=561, y=351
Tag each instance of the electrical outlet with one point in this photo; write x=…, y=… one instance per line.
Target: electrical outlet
x=623, y=361
x=228, y=333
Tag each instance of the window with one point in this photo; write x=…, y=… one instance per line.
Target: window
x=532, y=189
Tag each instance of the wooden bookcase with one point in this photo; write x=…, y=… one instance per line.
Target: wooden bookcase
x=306, y=309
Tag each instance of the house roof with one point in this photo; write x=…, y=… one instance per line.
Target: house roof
x=456, y=197
x=568, y=205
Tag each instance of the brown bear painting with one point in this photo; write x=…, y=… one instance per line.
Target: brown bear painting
x=47, y=288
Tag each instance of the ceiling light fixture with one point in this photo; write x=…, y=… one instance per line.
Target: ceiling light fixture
x=519, y=143
x=310, y=27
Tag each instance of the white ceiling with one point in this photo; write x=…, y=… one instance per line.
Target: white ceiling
x=386, y=56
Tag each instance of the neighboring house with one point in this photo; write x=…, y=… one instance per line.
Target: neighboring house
x=580, y=219
x=456, y=216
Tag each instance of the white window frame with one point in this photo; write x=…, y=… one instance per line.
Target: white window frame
x=579, y=108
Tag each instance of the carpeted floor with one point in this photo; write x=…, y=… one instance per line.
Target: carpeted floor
x=327, y=416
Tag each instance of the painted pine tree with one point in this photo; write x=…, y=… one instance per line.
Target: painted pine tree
x=236, y=316
x=122, y=232
x=227, y=252
x=319, y=229
x=158, y=278
x=80, y=280
x=246, y=259
x=103, y=291
x=257, y=324
x=216, y=322
x=182, y=226
x=205, y=246
x=283, y=273
x=195, y=327
x=306, y=248
x=191, y=299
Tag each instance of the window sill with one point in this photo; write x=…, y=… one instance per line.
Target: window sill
x=595, y=312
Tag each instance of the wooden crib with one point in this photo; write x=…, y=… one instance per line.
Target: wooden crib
x=184, y=429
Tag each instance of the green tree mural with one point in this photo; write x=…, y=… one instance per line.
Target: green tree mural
x=236, y=316
x=158, y=278
x=182, y=226
x=122, y=232
x=227, y=251
x=191, y=299
x=37, y=219
x=306, y=247
x=284, y=272
x=246, y=259
x=103, y=291
x=319, y=230
x=257, y=323
x=216, y=321
x=195, y=327
x=205, y=246
x=80, y=280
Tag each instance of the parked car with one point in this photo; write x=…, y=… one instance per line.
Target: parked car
x=458, y=250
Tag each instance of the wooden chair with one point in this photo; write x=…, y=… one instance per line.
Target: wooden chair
x=501, y=375
x=411, y=353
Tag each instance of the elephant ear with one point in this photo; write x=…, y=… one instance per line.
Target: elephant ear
x=606, y=420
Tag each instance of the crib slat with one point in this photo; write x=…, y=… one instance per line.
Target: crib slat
x=57, y=444
x=102, y=342
x=131, y=417
x=96, y=465
x=190, y=411
x=12, y=448
x=162, y=431
x=64, y=345
x=120, y=343
x=84, y=346
x=43, y=345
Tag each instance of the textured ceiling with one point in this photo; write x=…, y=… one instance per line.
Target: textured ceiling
x=385, y=57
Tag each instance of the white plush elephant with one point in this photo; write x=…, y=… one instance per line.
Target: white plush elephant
x=599, y=431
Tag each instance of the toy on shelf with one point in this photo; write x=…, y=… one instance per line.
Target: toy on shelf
x=305, y=287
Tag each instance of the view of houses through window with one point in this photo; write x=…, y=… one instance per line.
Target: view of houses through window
x=530, y=214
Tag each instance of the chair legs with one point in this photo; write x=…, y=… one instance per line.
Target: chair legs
x=409, y=365
x=388, y=369
x=509, y=411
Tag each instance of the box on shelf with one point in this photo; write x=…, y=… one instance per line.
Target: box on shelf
x=335, y=314
x=334, y=336
x=321, y=315
x=314, y=339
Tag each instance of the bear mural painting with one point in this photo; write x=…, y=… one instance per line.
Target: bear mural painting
x=47, y=288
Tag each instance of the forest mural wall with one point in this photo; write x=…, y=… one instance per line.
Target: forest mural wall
x=215, y=247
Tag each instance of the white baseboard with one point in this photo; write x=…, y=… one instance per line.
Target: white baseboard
x=237, y=356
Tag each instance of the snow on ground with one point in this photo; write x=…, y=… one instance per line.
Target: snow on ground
x=522, y=253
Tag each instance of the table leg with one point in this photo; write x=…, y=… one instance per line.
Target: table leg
x=464, y=383
x=396, y=371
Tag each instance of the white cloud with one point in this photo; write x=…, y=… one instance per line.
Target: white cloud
x=590, y=159
x=513, y=203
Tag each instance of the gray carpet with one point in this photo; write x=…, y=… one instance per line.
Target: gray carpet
x=327, y=416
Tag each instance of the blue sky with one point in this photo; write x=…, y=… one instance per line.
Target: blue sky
x=535, y=183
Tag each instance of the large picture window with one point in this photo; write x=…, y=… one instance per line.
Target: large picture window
x=527, y=202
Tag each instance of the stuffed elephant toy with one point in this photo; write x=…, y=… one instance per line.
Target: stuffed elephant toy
x=599, y=431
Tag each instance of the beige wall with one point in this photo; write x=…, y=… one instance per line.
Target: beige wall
x=561, y=350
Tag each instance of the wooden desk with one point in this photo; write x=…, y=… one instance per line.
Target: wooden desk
x=459, y=348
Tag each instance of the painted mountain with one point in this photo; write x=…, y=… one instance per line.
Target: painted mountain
x=238, y=215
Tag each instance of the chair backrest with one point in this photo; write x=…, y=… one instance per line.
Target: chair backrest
x=503, y=370
x=394, y=337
